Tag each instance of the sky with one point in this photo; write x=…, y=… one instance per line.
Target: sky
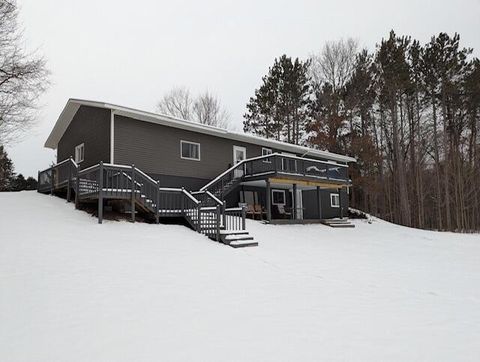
x=132, y=52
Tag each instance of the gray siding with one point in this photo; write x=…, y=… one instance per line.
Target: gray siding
x=156, y=150
x=90, y=126
x=309, y=198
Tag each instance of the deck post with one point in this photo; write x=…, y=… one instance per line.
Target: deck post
x=38, y=181
x=244, y=214
x=69, y=184
x=100, y=193
x=51, y=180
x=340, y=202
x=224, y=213
x=77, y=189
x=268, y=202
x=199, y=218
x=294, y=197
x=157, y=204
x=132, y=200
x=319, y=203
x=218, y=212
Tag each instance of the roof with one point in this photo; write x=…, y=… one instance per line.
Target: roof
x=74, y=104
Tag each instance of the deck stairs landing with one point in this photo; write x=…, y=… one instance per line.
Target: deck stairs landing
x=338, y=223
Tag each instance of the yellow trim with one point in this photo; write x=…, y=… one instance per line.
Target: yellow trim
x=323, y=184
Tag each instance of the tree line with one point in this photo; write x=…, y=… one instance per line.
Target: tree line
x=408, y=112
x=9, y=181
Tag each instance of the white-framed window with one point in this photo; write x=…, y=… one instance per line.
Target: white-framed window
x=278, y=197
x=334, y=200
x=80, y=153
x=265, y=152
x=190, y=150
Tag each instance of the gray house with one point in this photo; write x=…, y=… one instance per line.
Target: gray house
x=273, y=180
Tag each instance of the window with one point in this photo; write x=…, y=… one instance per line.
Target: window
x=190, y=150
x=278, y=197
x=79, y=153
x=334, y=200
x=289, y=163
x=265, y=152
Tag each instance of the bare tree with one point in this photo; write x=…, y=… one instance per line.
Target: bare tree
x=177, y=103
x=23, y=77
x=335, y=63
x=205, y=108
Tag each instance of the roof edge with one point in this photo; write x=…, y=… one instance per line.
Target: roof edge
x=73, y=104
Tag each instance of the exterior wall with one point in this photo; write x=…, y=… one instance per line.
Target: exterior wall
x=90, y=126
x=309, y=198
x=155, y=149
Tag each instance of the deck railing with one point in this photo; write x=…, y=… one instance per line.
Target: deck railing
x=202, y=210
x=276, y=163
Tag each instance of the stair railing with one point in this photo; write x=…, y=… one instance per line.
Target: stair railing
x=235, y=219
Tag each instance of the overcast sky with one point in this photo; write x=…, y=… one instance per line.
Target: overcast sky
x=131, y=52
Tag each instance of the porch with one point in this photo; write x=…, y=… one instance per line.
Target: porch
x=292, y=201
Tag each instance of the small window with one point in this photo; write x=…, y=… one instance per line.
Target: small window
x=265, y=152
x=79, y=153
x=335, y=200
x=190, y=150
x=278, y=197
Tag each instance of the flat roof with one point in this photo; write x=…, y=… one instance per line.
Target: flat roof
x=73, y=105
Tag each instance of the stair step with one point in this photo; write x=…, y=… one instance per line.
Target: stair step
x=233, y=232
x=242, y=244
x=238, y=237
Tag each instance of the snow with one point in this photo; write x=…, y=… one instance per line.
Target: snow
x=71, y=289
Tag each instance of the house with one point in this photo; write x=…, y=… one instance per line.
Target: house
x=275, y=181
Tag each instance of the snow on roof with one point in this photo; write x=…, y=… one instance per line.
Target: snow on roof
x=73, y=104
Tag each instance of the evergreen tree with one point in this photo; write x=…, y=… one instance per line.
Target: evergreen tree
x=31, y=183
x=6, y=171
x=279, y=108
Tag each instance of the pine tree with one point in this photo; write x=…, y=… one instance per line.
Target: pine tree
x=6, y=171
x=279, y=108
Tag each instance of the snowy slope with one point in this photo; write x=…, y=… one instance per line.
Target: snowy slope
x=73, y=290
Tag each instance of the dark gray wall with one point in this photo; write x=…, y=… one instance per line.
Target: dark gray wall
x=90, y=126
x=309, y=198
x=155, y=149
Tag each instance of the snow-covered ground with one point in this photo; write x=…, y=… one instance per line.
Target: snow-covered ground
x=73, y=290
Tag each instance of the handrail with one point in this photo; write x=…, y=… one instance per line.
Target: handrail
x=89, y=168
x=146, y=176
x=219, y=177
x=276, y=154
x=214, y=198
x=186, y=193
x=234, y=209
x=64, y=161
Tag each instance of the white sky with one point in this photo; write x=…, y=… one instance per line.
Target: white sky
x=131, y=52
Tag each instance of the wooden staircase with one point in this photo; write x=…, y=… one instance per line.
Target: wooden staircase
x=203, y=211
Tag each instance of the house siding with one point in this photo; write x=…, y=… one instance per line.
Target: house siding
x=90, y=126
x=309, y=199
x=155, y=149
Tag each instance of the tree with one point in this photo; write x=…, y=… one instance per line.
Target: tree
x=208, y=110
x=31, y=183
x=19, y=183
x=335, y=63
x=23, y=77
x=330, y=70
x=204, y=109
x=6, y=171
x=177, y=103
x=280, y=106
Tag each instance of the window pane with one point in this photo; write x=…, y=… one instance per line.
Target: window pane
x=278, y=197
x=190, y=150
